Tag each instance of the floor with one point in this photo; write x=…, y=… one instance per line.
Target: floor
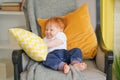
x=6, y=69
x=6, y=66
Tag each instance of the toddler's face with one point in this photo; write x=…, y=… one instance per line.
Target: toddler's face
x=51, y=30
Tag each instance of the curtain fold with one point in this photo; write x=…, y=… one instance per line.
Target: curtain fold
x=107, y=24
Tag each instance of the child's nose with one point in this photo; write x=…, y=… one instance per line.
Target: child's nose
x=48, y=31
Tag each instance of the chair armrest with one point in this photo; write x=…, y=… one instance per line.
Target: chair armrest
x=109, y=57
x=104, y=61
x=17, y=63
x=100, y=60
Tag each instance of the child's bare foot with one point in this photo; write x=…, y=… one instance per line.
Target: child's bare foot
x=80, y=66
x=66, y=69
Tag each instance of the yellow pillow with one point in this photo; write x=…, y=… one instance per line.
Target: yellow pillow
x=32, y=44
x=79, y=31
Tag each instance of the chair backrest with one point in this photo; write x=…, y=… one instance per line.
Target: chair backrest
x=34, y=9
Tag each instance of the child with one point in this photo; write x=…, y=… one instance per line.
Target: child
x=59, y=57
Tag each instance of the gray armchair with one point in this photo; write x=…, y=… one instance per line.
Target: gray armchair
x=99, y=68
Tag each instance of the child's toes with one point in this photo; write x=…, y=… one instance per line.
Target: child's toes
x=66, y=69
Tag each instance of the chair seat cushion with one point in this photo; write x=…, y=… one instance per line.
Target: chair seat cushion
x=79, y=31
x=91, y=73
x=32, y=44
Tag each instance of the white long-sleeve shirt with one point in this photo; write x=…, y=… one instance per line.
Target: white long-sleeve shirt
x=61, y=36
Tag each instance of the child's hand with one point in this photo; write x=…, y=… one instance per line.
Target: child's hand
x=54, y=43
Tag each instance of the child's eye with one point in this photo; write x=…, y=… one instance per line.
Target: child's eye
x=46, y=29
x=51, y=30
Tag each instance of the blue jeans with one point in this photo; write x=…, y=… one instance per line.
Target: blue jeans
x=55, y=57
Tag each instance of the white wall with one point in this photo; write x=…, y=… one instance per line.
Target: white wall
x=9, y=20
x=117, y=26
x=10, y=1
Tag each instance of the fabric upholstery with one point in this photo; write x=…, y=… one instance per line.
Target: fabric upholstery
x=91, y=7
x=36, y=10
x=32, y=15
x=79, y=31
x=92, y=73
x=100, y=59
